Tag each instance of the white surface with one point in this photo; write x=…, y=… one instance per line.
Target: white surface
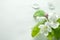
x=16, y=18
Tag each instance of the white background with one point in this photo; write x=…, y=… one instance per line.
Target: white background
x=16, y=18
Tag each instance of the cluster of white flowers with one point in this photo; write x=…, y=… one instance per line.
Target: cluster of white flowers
x=50, y=23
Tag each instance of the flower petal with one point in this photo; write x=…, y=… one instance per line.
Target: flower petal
x=48, y=26
x=53, y=17
x=44, y=29
x=41, y=19
x=45, y=33
x=41, y=26
x=47, y=23
x=49, y=29
x=54, y=25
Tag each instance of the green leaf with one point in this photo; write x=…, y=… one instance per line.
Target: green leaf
x=57, y=32
x=35, y=30
x=58, y=20
x=39, y=13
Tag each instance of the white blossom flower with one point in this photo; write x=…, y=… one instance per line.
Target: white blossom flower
x=45, y=29
x=52, y=20
x=51, y=23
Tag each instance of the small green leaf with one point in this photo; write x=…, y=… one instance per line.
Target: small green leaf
x=35, y=30
x=58, y=20
x=39, y=13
